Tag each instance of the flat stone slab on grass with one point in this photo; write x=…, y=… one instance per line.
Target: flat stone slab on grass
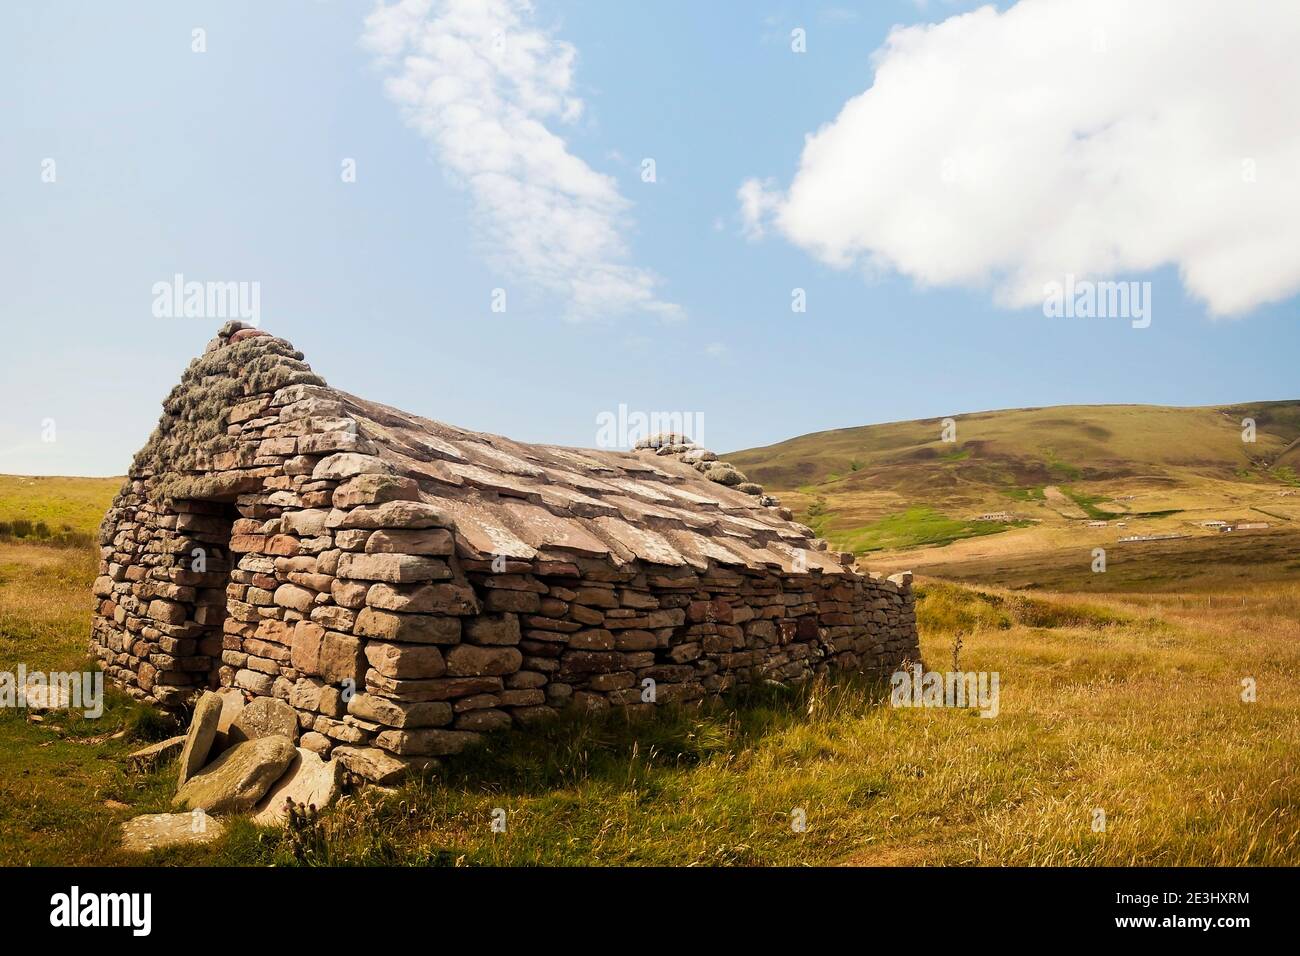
x=309, y=780
x=198, y=741
x=236, y=780
x=156, y=830
x=145, y=759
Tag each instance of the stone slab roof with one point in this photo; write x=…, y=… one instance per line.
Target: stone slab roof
x=540, y=502
x=251, y=403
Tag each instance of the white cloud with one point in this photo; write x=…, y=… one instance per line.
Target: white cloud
x=1084, y=137
x=480, y=82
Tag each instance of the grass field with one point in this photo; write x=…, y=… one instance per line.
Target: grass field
x=1125, y=702
x=1037, y=560
x=60, y=504
x=910, y=528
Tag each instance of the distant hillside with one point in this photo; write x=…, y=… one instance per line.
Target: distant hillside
x=899, y=485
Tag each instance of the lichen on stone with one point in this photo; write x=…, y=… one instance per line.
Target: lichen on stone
x=196, y=413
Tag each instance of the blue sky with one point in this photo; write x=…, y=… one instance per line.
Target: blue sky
x=225, y=165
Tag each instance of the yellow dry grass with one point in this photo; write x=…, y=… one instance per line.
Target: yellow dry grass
x=1126, y=703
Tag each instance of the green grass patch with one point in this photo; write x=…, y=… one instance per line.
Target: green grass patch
x=1089, y=504
x=1286, y=475
x=1024, y=494
x=916, y=526
x=63, y=780
x=1059, y=469
x=818, y=516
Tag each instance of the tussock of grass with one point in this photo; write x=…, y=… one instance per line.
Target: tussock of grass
x=146, y=725
x=953, y=609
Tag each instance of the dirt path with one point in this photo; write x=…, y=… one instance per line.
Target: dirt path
x=1062, y=504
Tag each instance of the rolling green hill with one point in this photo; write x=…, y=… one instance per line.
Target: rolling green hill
x=1031, y=471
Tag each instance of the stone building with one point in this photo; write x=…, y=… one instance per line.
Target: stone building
x=408, y=586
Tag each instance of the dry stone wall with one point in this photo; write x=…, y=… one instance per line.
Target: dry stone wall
x=279, y=554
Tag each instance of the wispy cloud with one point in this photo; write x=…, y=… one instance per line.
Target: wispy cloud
x=759, y=201
x=481, y=82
